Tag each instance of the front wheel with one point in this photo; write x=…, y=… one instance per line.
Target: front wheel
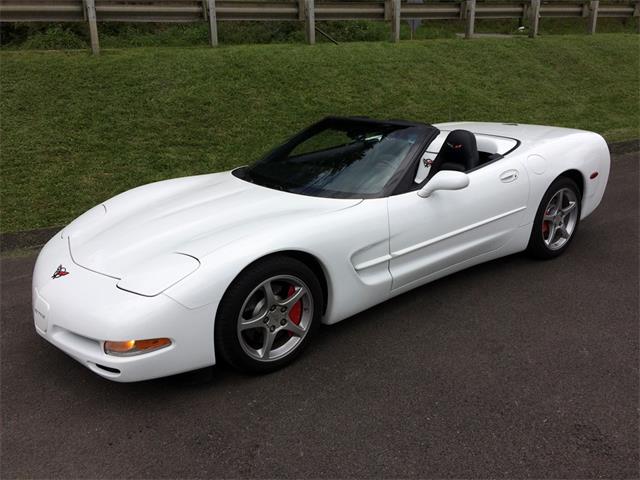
x=556, y=220
x=268, y=315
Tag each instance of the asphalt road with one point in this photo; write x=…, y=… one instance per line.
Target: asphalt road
x=516, y=368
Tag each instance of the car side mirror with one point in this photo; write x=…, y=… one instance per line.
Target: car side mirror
x=445, y=180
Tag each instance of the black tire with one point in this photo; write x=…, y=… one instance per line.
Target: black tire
x=537, y=247
x=226, y=335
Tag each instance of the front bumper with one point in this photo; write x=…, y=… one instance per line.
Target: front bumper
x=79, y=311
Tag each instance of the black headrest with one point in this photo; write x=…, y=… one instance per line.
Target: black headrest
x=459, y=148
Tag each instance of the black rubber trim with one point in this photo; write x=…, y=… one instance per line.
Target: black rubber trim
x=108, y=369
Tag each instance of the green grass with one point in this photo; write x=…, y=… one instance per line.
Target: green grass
x=77, y=129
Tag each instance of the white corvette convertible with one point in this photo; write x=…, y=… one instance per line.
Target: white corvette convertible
x=242, y=266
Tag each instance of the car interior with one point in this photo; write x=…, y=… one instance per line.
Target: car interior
x=462, y=151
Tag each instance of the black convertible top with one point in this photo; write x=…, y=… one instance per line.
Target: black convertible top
x=309, y=173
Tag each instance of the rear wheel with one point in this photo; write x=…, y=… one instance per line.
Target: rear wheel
x=556, y=220
x=268, y=315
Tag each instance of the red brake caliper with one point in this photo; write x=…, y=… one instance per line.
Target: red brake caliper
x=295, y=314
x=545, y=227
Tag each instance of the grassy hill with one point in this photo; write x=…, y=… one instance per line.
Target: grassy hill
x=76, y=129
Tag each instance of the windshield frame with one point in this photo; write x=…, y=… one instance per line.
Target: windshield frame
x=396, y=184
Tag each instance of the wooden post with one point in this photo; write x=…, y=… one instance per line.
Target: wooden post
x=395, y=21
x=593, y=16
x=522, y=21
x=93, y=25
x=535, y=18
x=471, y=18
x=310, y=21
x=585, y=10
x=213, y=23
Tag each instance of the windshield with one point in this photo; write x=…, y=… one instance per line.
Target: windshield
x=339, y=158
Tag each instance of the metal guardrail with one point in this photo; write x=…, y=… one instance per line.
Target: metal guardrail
x=308, y=11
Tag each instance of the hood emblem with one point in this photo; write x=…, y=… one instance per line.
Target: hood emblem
x=60, y=272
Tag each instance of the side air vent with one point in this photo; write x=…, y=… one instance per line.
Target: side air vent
x=108, y=369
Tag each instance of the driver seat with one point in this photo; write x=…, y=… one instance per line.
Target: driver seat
x=459, y=152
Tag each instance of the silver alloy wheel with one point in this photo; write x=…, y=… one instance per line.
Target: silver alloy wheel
x=560, y=219
x=266, y=329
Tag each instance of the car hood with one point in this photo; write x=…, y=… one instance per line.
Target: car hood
x=181, y=216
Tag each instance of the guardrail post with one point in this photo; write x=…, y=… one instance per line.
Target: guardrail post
x=90, y=9
x=535, y=18
x=636, y=14
x=213, y=22
x=593, y=16
x=525, y=15
x=471, y=18
x=310, y=21
x=395, y=21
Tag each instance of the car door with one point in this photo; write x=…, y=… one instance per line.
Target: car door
x=451, y=226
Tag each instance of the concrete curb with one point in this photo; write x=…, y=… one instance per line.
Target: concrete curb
x=36, y=238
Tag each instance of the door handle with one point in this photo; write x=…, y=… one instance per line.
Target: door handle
x=509, y=176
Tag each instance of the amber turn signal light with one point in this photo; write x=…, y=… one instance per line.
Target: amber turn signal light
x=135, y=347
